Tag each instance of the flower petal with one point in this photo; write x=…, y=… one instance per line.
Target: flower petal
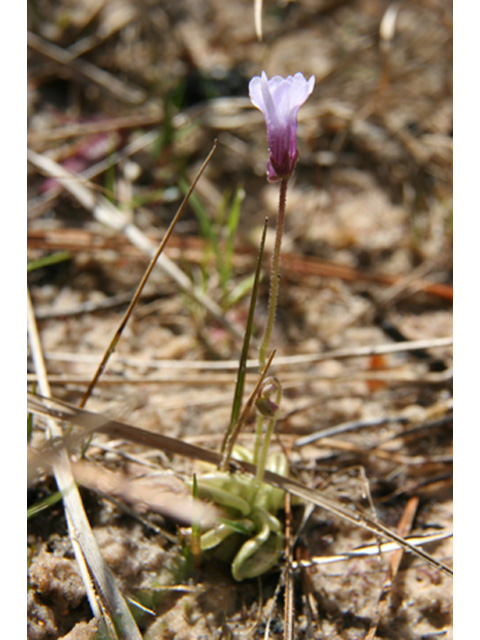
x=279, y=99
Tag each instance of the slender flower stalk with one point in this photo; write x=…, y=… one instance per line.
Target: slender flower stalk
x=274, y=274
x=279, y=99
x=268, y=405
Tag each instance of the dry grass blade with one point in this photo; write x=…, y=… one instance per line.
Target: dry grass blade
x=121, y=90
x=257, y=17
x=371, y=550
x=138, y=144
x=439, y=410
x=280, y=361
x=404, y=527
x=359, y=352
x=310, y=266
x=290, y=379
x=113, y=344
x=106, y=213
x=92, y=128
x=387, y=32
x=117, y=429
x=143, y=494
x=105, y=599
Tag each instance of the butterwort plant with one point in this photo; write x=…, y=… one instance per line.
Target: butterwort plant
x=249, y=525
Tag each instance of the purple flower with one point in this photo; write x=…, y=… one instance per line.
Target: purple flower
x=279, y=99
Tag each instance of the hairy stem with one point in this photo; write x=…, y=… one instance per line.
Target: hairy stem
x=274, y=274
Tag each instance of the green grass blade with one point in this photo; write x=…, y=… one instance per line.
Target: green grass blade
x=242, y=365
x=46, y=261
x=44, y=504
x=204, y=221
x=234, y=219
